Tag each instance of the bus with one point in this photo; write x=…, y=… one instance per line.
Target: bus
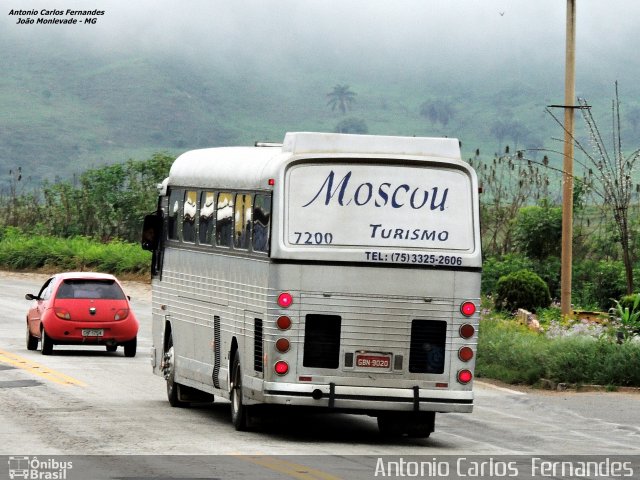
x=336, y=272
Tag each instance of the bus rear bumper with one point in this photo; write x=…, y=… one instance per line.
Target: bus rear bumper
x=341, y=397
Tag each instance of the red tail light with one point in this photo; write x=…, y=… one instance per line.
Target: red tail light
x=465, y=354
x=468, y=309
x=63, y=314
x=121, y=314
x=285, y=299
x=467, y=330
x=464, y=376
x=283, y=322
x=281, y=367
x=282, y=345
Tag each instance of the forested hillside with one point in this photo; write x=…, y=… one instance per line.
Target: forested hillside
x=68, y=109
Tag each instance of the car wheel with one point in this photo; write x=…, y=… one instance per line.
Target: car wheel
x=169, y=370
x=239, y=412
x=112, y=348
x=32, y=342
x=130, y=347
x=47, y=344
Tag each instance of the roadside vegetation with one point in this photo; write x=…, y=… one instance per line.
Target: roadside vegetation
x=521, y=222
x=93, y=222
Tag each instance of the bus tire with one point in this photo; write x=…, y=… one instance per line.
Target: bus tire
x=173, y=394
x=390, y=425
x=414, y=425
x=239, y=411
x=422, y=426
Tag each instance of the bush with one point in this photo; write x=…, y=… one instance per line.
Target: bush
x=537, y=230
x=596, y=283
x=523, y=289
x=495, y=267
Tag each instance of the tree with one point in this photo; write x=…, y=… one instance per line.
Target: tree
x=438, y=111
x=508, y=183
x=611, y=174
x=341, y=97
x=513, y=129
x=537, y=229
x=352, y=125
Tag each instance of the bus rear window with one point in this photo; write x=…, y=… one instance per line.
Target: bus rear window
x=372, y=205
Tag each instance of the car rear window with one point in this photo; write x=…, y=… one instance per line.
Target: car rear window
x=105, y=289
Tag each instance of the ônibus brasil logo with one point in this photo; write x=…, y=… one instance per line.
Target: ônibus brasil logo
x=38, y=469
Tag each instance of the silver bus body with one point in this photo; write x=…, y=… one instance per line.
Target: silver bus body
x=374, y=242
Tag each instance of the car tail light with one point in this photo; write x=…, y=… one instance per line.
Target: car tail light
x=63, y=314
x=285, y=299
x=464, y=376
x=282, y=345
x=121, y=314
x=467, y=330
x=283, y=322
x=465, y=354
x=281, y=367
x=468, y=309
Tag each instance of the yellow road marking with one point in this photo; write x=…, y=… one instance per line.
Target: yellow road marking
x=295, y=470
x=39, y=370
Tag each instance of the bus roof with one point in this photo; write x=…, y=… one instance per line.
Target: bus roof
x=250, y=167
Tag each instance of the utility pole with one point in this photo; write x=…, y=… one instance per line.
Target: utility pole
x=567, y=175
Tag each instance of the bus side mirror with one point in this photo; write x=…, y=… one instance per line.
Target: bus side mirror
x=151, y=232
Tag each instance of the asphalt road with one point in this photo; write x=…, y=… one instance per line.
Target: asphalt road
x=83, y=401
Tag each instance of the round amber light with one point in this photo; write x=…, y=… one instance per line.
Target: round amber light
x=467, y=330
x=282, y=345
x=465, y=354
x=283, y=322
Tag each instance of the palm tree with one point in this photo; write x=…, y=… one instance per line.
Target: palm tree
x=341, y=97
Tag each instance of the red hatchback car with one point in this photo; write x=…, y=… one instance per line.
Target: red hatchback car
x=81, y=309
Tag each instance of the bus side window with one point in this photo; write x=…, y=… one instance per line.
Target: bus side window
x=261, y=217
x=206, y=220
x=242, y=222
x=189, y=217
x=224, y=220
x=174, y=211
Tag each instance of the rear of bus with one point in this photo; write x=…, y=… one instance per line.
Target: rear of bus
x=375, y=279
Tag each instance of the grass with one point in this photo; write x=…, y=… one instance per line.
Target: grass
x=512, y=353
x=39, y=252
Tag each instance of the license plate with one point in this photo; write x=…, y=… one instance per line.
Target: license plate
x=92, y=332
x=382, y=362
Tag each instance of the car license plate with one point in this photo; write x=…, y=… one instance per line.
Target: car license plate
x=382, y=362
x=92, y=332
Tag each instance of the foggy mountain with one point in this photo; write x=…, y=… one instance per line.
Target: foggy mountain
x=170, y=76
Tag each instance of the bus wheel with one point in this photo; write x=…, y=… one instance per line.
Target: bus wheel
x=239, y=411
x=422, y=426
x=415, y=425
x=391, y=425
x=169, y=370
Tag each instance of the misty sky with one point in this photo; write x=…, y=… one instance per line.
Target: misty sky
x=454, y=35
